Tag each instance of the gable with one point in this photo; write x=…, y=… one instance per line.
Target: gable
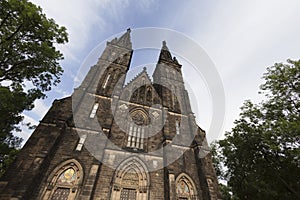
x=140, y=90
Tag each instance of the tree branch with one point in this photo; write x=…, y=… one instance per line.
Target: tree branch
x=9, y=73
x=13, y=34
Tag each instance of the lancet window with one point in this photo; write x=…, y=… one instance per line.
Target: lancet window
x=106, y=81
x=177, y=126
x=94, y=110
x=136, y=136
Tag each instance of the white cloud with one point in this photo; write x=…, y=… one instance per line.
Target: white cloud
x=62, y=92
x=241, y=37
x=245, y=37
x=40, y=109
x=33, y=117
x=239, y=32
x=78, y=16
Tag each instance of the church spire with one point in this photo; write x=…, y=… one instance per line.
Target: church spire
x=165, y=55
x=124, y=40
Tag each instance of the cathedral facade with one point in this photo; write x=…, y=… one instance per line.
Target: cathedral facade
x=115, y=141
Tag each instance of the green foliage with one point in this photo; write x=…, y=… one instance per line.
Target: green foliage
x=218, y=160
x=7, y=156
x=28, y=64
x=226, y=192
x=220, y=169
x=261, y=153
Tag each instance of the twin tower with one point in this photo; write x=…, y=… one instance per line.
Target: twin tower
x=115, y=141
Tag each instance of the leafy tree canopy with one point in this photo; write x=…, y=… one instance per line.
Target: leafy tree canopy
x=261, y=153
x=29, y=64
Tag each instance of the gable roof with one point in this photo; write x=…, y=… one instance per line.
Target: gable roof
x=141, y=79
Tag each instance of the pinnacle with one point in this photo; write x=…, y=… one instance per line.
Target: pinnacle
x=165, y=53
x=124, y=40
x=164, y=46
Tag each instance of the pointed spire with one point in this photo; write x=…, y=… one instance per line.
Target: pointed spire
x=165, y=54
x=125, y=40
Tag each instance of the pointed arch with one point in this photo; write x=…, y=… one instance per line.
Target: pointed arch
x=185, y=187
x=64, y=181
x=131, y=180
x=143, y=116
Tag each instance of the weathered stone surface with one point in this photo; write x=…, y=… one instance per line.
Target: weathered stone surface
x=53, y=162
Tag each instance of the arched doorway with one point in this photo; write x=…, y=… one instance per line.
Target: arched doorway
x=131, y=181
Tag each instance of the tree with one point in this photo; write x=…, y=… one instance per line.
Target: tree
x=220, y=169
x=29, y=66
x=261, y=153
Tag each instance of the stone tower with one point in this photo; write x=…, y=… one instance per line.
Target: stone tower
x=110, y=140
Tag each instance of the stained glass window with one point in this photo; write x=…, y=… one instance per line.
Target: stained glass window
x=183, y=188
x=68, y=177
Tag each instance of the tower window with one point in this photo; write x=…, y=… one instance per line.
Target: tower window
x=106, y=81
x=80, y=143
x=177, y=125
x=94, y=110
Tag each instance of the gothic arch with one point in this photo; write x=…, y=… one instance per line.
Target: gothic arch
x=131, y=180
x=185, y=187
x=139, y=116
x=64, y=181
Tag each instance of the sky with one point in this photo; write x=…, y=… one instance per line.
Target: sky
x=241, y=38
